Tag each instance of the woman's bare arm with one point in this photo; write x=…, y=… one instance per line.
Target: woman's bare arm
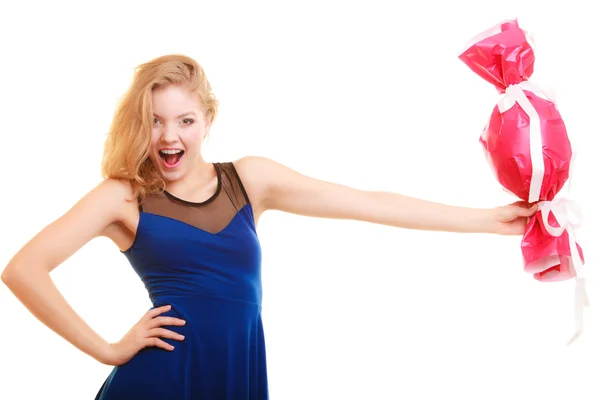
x=274, y=186
x=28, y=273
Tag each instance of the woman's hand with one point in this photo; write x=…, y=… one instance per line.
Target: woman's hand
x=513, y=218
x=147, y=332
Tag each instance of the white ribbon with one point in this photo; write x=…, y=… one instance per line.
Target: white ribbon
x=567, y=213
x=514, y=94
x=569, y=217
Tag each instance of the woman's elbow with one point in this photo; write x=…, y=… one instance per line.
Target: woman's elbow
x=10, y=274
x=14, y=274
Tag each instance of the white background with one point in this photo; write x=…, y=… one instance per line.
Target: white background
x=369, y=94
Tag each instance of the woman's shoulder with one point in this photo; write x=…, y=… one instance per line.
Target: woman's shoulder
x=117, y=189
x=117, y=195
x=252, y=169
x=252, y=165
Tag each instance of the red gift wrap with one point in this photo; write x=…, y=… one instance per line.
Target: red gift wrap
x=527, y=145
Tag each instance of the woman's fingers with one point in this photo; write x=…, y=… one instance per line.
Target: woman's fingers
x=156, y=311
x=153, y=322
x=165, y=333
x=153, y=316
x=156, y=342
x=161, y=321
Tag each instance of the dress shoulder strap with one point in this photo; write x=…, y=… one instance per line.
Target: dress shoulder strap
x=232, y=185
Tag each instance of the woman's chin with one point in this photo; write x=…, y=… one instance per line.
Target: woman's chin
x=172, y=175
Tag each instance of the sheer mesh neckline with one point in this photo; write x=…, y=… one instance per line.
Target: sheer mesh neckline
x=212, y=215
x=193, y=203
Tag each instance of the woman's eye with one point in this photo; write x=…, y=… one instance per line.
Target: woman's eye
x=187, y=121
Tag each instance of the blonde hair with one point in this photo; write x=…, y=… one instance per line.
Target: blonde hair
x=127, y=146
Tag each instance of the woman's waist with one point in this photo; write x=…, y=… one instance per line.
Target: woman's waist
x=194, y=292
x=202, y=311
x=202, y=300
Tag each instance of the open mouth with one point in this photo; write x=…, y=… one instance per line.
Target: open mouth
x=171, y=158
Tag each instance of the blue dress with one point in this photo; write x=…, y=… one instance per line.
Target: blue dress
x=204, y=260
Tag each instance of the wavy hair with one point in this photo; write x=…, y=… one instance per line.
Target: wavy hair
x=127, y=146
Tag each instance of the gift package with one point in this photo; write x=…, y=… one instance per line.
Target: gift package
x=527, y=145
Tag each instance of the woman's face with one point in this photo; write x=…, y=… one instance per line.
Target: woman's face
x=178, y=131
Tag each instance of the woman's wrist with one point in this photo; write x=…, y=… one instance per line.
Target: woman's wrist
x=477, y=220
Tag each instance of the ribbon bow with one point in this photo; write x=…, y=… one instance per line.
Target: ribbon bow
x=569, y=217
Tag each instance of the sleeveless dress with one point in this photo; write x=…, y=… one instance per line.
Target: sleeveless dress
x=203, y=259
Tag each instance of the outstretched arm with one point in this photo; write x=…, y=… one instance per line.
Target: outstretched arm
x=280, y=188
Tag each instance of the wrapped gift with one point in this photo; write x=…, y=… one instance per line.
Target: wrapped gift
x=527, y=145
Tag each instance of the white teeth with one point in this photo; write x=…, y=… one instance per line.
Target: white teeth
x=171, y=151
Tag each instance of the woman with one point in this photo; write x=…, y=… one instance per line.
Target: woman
x=187, y=227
